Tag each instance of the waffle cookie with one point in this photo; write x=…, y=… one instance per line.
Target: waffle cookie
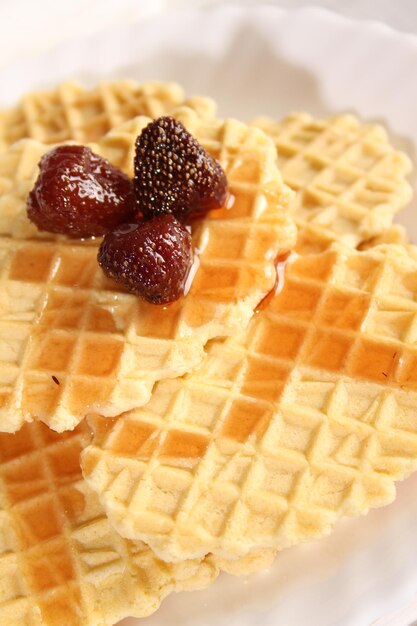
x=394, y=234
x=304, y=418
x=350, y=181
x=71, y=111
x=73, y=342
x=61, y=562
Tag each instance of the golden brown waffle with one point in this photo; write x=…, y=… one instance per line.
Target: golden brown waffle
x=394, y=234
x=350, y=181
x=307, y=416
x=61, y=562
x=72, y=342
x=71, y=111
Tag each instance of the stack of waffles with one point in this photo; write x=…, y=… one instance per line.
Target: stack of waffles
x=144, y=449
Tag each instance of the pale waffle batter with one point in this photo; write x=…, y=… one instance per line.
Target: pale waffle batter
x=61, y=562
x=350, y=181
x=393, y=234
x=306, y=417
x=70, y=111
x=72, y=342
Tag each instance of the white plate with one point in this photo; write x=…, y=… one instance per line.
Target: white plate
x=270, y=61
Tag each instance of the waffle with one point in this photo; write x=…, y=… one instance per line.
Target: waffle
x=73, y=342
x=350, y=181
x=70, y=111
x=61, y=562
x=306, y=417
x=394, y=234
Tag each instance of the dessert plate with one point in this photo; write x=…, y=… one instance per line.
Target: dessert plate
x=269, y=61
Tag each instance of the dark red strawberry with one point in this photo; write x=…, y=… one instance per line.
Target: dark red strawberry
x=173, y=172
x=152, y=259
x=79, y=194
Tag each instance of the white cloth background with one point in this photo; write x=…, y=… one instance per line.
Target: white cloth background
x=28, y=28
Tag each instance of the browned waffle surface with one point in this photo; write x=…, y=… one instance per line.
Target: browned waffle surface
x=72, y=342
x=61, y=562
x=350, y=180
x=70, y=111
x=306, y=417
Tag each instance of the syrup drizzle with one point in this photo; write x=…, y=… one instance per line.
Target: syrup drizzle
x=229, y=201
x=196, y=218
x=280, y=264
x=192, y=271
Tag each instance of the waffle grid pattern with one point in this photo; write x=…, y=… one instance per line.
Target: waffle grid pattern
x=350, y=181
x=62, y=318
x=308, y=417
x=40, y=546
x=61, y=346
x=74, y=112
x=60, y=560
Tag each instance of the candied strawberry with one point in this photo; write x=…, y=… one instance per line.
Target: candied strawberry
x=79, y=194
x=152, y=259
x=173, y=172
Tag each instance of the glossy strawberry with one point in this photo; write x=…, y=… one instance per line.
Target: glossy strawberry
x=173, y=172
x=79, y=194
x=152, y=259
